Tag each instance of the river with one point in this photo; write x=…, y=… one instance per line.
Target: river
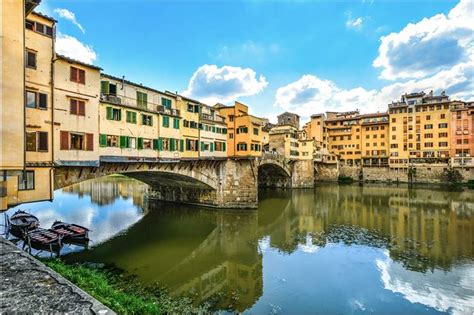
x=329, y=250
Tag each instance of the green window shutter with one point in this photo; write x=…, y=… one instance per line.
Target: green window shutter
x=123, y=141
x=128, y=116
x=104, y=87
x=120, y=115
x=166, y=121
x=160, y=144
x=134, y=117
x=172, y=144
x=212, y=146
x=109, y=112
x=213, y=129
x=151, y=120
x=140, y=143
x=181, y=145
x=202, y=146
x=223, y=146
x=155, y=144
x=103, y=140
x=175, y=123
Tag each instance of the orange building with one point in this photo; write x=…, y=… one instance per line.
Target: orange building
x=244, y=136
x=462, y=134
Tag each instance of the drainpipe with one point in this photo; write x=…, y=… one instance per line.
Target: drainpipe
x=24, y=92
x=52, y=109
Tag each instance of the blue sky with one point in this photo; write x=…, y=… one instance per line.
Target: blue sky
x=303, y=56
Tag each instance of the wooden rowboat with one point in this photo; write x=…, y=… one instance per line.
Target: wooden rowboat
x=43, y=239
x=21, y=222
x=71, y=233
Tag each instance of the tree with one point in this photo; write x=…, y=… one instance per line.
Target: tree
x=452, y=176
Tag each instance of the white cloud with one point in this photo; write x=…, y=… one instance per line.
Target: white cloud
x=353, y=23
x=431, y=45
x=70, y=16
x=73, y=48
x=211, y=84
x=454, y=296
x=311, y=94
x=418, y=54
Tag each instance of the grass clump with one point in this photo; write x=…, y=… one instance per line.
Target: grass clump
x=121, y=292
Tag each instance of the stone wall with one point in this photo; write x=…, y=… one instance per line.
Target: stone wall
x=302, y=175
x=238, y=181
x=326, y=172
x=423, y=174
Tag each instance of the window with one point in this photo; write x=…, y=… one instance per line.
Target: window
x=112, y=141
x=442, y=116
x=443, y=125
x=241, y=146
x=147, y=120
x=191, y=145
x=108, y=88
x=166, y=102
x=131, y=117
x=30, y=59
x=190, y=108
x=428, y=144
x=231, y=118
x=176, y=123
x=114, y=114
x=255, y=131
x=147, y=144
x=36, y=100
x=231, y=136
x=166, y=121
x=430, y=126
x=77, y=141
x=242, y=129
x=428, y=135
x=26, y=180
x=428, y=117
x=142, y=99
x=77, y=107
x=78, y=75
x=443, y=144
x=39, y=28
x=37, y=141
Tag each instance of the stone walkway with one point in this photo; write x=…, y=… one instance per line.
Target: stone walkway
x=28, y=286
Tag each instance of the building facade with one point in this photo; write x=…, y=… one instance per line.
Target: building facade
x=244, y=131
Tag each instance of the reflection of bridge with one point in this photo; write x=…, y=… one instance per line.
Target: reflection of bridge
x=229, y=183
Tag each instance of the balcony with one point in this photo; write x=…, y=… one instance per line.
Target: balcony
x=167, y=111
x=215, y=118
x=111, y=98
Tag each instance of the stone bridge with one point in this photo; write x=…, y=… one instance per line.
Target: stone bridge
x=226, y=183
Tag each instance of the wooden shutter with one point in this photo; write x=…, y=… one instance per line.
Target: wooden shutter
x=73, y=74
x=223, y=146
x=82, y=108
x=89, y=142
x=109, y=113
x=43, y=141
x=82, y=76
x=140, y=143
x=64, y=140
x=181, y=145
x=73, y=106
x=155, y=144
x=104, y=87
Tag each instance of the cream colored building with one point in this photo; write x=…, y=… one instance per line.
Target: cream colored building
x=128, y=121
x=76, y=112
x=284, y=140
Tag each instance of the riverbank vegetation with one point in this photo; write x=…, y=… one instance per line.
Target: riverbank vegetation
x=120, y=292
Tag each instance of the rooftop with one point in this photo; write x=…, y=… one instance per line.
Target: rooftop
x=71, y=60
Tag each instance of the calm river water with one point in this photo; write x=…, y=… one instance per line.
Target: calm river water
x=329, y=250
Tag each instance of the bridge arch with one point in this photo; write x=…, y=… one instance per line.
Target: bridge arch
x=273, y=171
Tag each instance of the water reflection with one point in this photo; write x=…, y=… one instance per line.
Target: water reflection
x=335, y=249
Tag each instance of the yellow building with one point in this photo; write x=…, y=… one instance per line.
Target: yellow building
x=189, y=131
x=419, y=129
x=76, y=112
x=375, y=139
x=244, y=135
x=344, y=136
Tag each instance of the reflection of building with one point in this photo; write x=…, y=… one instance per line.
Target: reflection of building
x=423, y=228
x=105, y=190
